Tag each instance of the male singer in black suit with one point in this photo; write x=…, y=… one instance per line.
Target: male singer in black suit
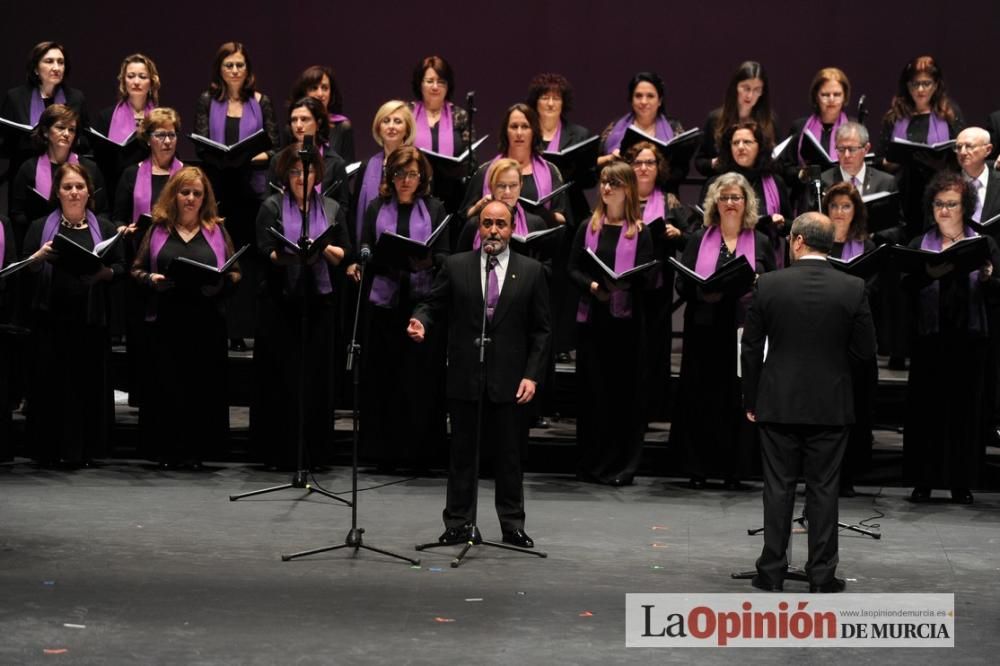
x=518, y=334
x=973, y=147
x=814, y=319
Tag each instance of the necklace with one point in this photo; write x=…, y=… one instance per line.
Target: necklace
x=72, y=225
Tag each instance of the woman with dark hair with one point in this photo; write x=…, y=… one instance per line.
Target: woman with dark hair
x=229, y=111
x=306, y=117
x=921, y=111
x=521, y=140
x=403, y=414
x=748, y=97
x=55, y=140
x=48, y=67
x=277, y=345
x=611, y=340
x=320, y=83
x=746, y=150
x=184, y=415
x=709, y=423
x=442, y=126
x=843, y=205
x=948, y=394
x=138, y=94
x=70, y=406
x=648, y=115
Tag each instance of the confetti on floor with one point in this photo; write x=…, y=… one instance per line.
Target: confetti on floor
x=443, y=620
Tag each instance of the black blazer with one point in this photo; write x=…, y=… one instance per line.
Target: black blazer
x=993, y=125
x=991, y=201
x=815, y=320
x=520, y=333
x=16, y=106
x=875, y=180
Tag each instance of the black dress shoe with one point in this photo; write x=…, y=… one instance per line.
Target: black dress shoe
x=847, y=491
x=920, y=495
x=697, y=482
x=961, y=496
x=541, y=422
x=735, y=484
x=620, y=481
x=454, y=535
x=762, y=584
x=238, y=345
x=518, y=538
x=897, y=363
x=832, y=586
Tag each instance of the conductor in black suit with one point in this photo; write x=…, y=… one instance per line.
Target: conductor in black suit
x=512, y=287
x=814, y=319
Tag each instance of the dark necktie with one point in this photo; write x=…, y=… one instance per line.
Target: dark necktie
x=492, y=287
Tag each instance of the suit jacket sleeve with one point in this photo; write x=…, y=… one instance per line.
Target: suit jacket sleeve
x=433, y=308
x=863, y=332
x=752, y=350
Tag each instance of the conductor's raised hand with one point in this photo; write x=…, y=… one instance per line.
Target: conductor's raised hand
x=525, y=391
x=415, y=329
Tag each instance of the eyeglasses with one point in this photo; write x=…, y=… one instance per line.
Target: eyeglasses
x=960, y=147
x=506, y=187
x=731, y=198
x=164, y=136
x=922, y=84
x=946, y=205
x=436, y=82
x=736, y=143
x=405, y=175
x=612, y=184
x=831, y=95
x=68, y=129
x=841, y=208
x=638, y=164
x=234, y=65
x=190, y=192
x=850, y=150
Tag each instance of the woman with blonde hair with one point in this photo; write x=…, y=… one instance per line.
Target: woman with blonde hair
x=185, y=414
x=611, y=339
x=708, y=423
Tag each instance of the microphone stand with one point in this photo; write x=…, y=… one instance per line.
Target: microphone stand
x=475, y=537
x=355, y=538
x=470, y=108
x=300, y=478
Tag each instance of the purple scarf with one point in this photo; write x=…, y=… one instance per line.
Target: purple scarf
x=446, y=136
x=338, y=118
x=38, y=105
x=291, y=220
x=772, y=206
x=708, y=251
x=368, y=191
x=937, y=130
x=621, y=300
x=815, y=127
x=852, y=248
x=655, y=206
x=251, y=120
x=930, y=296
x=663, y=131
x=553, y=146
x=3, y=246
x=142, y=194
x=123, y=123
x=539, y=172
x=520, y=226
x=385, y=290
x=51, y=228
x=43, y=173
x=159, y=237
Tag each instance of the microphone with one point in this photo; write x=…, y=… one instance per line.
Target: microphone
x=488, y=248
x=862, y=111
x=366, y=253
x=470, y=101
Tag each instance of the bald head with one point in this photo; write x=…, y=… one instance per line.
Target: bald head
x=972, y=147
x=811, y=233
x=496, y=224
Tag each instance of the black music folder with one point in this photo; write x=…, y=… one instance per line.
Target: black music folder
x=734, y=279
x=313, y=246
x=402, y=253
x=965, y=255
x=624, y=276
x=577, y=158
x=902, y=151
x=866, y=265
x=77, y=259
x=190, y=273
x=678, y=150
x=237, y=154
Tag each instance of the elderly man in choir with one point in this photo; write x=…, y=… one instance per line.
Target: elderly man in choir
x=973, y=148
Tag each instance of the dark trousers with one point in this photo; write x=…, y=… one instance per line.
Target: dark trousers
x=504, y=430
x=815, y=452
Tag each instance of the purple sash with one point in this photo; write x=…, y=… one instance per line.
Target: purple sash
x=930, y=296
x=251, y=120
x=3, y=246
x=815, y=127
x=38, y=106
x=51, y=228
x=553, y=146
x=338, y=118
x=539, y=172
x=123, y=123
x=43, y=173
x=520, y=226
x=708, y=251
x=385, y=290
x=142, y=194
x=446, y=136
x=655, y=206
x=663, y=131
x=368, y=191
x=620, y=304
x=159, y=236
x=291, y=221
x=937, y=130
x=852, y=248
x=772, y=206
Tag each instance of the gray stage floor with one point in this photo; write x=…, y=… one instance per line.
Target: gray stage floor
x=126, y=564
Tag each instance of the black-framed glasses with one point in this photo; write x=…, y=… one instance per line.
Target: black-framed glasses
x=164, y=136
x=400, y=174
x=731, y=198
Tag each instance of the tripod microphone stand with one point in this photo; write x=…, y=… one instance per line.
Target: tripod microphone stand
x=355, y=537
x=475, y=537
x=300, y=478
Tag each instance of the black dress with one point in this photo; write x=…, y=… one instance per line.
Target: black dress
x=611, y=351
x=70, y=399
x=274, y=413
x=402, y=382
x=8, y=291
x=709, y=426
x=184, y=416
x=949, y=411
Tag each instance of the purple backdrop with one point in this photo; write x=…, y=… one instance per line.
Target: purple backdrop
x=495, y=48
